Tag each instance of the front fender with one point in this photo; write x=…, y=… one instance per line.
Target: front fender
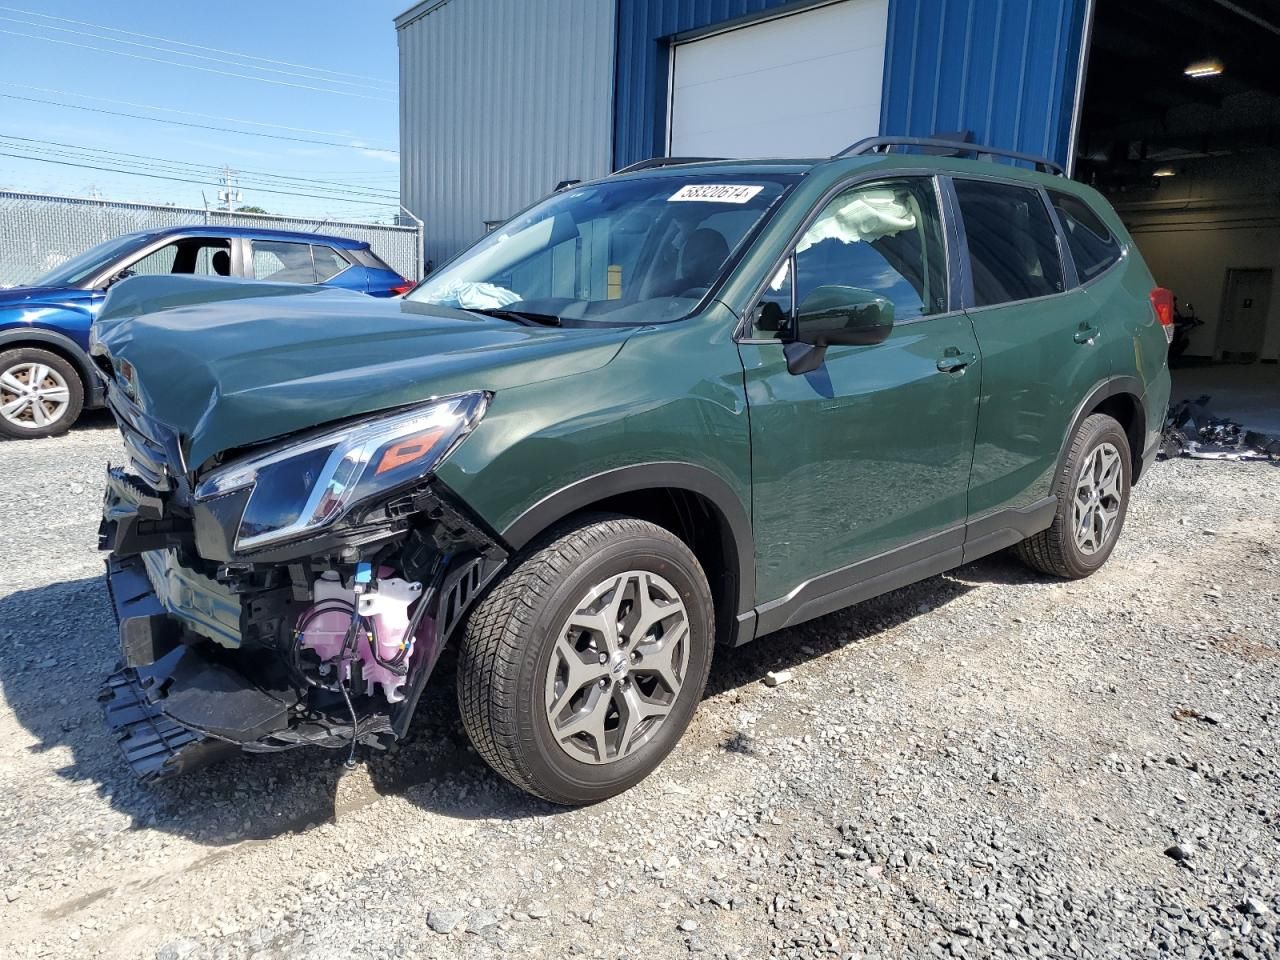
x=33, y=336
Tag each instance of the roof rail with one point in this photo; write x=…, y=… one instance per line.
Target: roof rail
x=951, y=148
x=653, y=162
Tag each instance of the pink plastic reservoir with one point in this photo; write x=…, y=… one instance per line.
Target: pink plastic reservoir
x=386, y=607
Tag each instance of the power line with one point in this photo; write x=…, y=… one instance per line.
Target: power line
x=197, y=46
x=102, y=154
x=156, y=176
x=197, y=126
x=194, y=66
x=185, y=113
x=198, y=56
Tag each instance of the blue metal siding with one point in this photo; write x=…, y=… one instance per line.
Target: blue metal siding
x=643, y=65
x=1005, y=69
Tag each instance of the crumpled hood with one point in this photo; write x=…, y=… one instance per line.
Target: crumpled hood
x=227, y=363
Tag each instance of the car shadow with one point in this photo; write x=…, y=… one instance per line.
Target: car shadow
x=794, y=647
x=91, y=421
x=58, y=643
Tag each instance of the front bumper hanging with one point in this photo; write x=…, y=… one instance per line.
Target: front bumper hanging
x=172, y=708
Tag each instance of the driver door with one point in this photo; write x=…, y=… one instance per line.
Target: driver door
x=860, y=466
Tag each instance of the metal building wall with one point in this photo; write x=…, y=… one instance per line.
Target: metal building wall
x=644, y=65
x=1005, y=69
x=499, y=101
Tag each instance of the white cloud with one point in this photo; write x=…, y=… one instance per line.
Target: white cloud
x=387, y=156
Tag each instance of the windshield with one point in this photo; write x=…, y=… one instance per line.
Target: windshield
x=80, y=268
x=617, y=252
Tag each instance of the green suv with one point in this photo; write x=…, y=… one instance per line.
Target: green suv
x=681, y=407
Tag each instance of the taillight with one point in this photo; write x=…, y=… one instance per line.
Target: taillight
x=1162, y=303
x=406, y=286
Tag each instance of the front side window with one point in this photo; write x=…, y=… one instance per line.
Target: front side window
x=1013, y=246
x=881, y=239
x=202, y=256
x=282, y=262
x=1093, y=247
x=618, y=252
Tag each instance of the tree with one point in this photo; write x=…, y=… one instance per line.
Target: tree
x=250, y=209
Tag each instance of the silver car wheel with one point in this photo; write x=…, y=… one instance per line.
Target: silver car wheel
x=1096, y=507
x=33, y=395
x=618, y=665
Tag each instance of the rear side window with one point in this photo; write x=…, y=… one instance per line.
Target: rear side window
x=329, y=263
x=282, y=262
x=1093, y=247
x=367, y=258
x=1013, y=245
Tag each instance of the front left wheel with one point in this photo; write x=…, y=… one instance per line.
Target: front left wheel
x=582, y=667
x=40, y=394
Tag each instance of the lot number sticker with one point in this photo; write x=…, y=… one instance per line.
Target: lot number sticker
x=715, y=193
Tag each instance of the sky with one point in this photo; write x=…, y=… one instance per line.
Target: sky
x=270, y=74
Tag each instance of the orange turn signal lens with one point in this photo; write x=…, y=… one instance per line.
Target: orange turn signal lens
x=406, y=451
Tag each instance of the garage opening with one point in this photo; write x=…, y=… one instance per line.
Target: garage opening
x=805, y=84
x=1180, y=128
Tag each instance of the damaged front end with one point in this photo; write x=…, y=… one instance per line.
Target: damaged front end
x=296, y=593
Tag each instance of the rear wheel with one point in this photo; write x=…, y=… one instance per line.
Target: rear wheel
x=40, y=393
x=581, y=669
x=1093, y=495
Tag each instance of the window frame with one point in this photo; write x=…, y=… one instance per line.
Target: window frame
x=98, y=281
x=1070, y=282
x=1121, y=245
x=340, y=254
x=950, y=237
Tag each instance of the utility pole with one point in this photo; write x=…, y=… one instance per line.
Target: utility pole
x=230, y=195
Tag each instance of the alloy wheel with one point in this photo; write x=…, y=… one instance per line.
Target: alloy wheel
x=33, y=395
x=619, y=662
x=1096, y=506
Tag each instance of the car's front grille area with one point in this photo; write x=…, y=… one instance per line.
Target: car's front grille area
x=153, y=449
x=147, y=459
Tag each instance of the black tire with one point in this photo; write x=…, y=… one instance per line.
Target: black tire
x=18, y=358
x=1055, y=551
x=510, y=636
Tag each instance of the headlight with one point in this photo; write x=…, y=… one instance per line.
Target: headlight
x=305, y=486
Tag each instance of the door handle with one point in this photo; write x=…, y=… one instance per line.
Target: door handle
x=955, y=362
x=1086, y=334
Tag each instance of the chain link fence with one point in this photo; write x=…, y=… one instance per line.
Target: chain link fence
x=38, y=232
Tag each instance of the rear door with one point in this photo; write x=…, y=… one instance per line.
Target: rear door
x=1040, y=338
x=869, y=452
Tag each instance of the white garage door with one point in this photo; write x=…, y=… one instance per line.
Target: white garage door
x=807, y=84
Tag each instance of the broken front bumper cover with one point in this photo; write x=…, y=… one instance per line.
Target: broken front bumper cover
x=170, y=706
x=176, y=706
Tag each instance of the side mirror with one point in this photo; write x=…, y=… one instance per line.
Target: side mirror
x=122, y=275
x=844, y=316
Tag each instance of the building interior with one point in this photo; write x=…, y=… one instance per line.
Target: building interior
x=1180, y=128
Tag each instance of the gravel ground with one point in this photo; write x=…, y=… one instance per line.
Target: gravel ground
x=986, y=763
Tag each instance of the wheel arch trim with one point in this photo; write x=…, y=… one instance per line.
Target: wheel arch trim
x=672, y=475
x=1120, y=385
x=39, y=337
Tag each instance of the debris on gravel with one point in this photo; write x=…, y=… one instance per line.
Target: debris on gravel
x=988, y=763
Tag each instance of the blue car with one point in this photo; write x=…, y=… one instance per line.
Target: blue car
x=46, y=377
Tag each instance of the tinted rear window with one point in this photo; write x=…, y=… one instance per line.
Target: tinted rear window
x=366, y=257
x=1013, y=245
x=1093, y=247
